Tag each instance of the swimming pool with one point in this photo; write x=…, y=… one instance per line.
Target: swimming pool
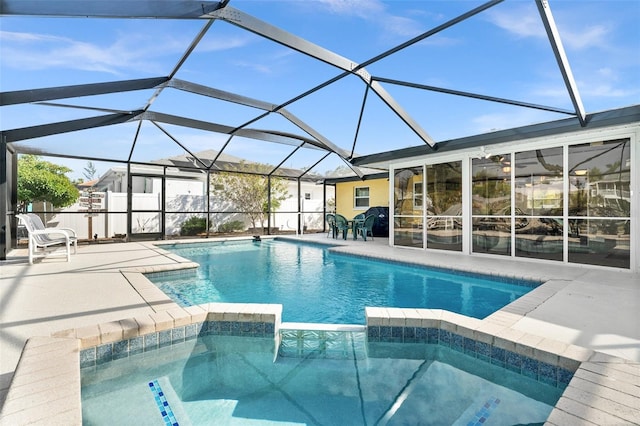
x=228, y=380
x=315, y=284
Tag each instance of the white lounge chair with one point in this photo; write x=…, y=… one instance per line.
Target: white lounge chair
x=45, y=241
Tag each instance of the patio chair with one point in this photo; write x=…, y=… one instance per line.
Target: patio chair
x=367, y=227
x=331, y=222
x=45, y=241
x=342, y=224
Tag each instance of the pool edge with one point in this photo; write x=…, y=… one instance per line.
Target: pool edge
x=68, y=345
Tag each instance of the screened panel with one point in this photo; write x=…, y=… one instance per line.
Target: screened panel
x=406, y=200
x=539, y=199
x=185, y=195
x=146, y=222
x=407, y=232
x=600, y=175
x=492, y=235
x=539, y=182
x=89, y=143
x=540, y=238
x=444, y=206
x=599, y=203
x=228, y=224
x=491, y=185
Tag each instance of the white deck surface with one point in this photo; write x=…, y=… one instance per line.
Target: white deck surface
x=595, y=308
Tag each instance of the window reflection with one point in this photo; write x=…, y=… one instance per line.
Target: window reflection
x=599, y=179
x=408, y=207
x=540, y=238
x=539, y=189
x=407, y=231
x=492, y=234
x=491, y=204
x=538, y=182
x=405, y=183
x=599, y=203
x=444, y=206
x=603, y=242
x=537, y=204
x=491, y=185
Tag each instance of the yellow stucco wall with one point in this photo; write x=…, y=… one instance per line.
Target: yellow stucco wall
x=378, y=196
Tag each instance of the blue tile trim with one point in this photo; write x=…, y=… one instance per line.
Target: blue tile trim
x=529, y=367
x=482, y=415
x=173, y=273
x=162, y=403
x=104, y=353
x=88, y=357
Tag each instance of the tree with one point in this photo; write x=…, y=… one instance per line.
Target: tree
x=40, y=180
x=248, y=191
x=89, y=171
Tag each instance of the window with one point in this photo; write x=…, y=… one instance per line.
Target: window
x=361, y=199
x=491, y=204
x=599, y=216
x=444, y=206
x=408, y=207
x=539, y=198
x=417, y=195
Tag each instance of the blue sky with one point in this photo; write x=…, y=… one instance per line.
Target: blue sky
x=502, y=52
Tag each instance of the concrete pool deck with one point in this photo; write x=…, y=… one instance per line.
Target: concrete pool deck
x=593, y=308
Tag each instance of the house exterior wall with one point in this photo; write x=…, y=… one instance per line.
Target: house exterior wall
x=345, y=196
x=584, y=209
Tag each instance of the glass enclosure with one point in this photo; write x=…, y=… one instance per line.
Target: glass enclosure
x=566, y=203
x=539, y=189
x=491, y=204
x=444, y=206
x=600, y=203
x=408, y=207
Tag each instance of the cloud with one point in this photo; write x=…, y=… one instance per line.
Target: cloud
x=375, y=12
x=361, y=8
x=32, y=51
x=523, y=21
x=586, y=38
x=137, y=52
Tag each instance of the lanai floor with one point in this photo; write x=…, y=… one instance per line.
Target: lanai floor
x=595, y=308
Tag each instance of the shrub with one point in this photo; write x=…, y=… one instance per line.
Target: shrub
x=193, y=226
x=234, y=225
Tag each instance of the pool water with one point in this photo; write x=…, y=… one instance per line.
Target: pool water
x=317, y=285
x=228, y=380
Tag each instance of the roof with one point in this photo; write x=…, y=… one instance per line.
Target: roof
x=621, y=116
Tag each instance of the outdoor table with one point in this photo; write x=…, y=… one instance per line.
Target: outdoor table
x=353, y=224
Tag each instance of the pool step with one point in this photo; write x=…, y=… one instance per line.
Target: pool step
x=334, y=341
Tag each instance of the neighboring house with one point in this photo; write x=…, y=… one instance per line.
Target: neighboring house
x=185, y=195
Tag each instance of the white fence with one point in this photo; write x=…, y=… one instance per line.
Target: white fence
x=115, y=223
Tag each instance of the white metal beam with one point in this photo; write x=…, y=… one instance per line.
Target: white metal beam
x=561, y=58
x=256, y=26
